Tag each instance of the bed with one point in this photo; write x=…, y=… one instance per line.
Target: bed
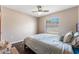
x=47, y=44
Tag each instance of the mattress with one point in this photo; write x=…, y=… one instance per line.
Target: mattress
x=47, y=44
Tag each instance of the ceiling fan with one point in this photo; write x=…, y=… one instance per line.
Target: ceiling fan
x=40, y=9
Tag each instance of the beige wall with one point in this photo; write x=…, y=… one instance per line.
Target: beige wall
x=68, y=20
x=16, y=26
x=78, y=14
x=0, y=22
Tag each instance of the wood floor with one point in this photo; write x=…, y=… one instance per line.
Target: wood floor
x=20, y=47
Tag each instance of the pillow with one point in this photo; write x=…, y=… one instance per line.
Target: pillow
x=68, y=37
x=75, y=42
x=76, y=34
x=61, y=38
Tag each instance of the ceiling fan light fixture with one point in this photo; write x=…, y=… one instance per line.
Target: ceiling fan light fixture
x=40, y=10
x=39, y=13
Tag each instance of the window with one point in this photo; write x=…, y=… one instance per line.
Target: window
x=52, y=25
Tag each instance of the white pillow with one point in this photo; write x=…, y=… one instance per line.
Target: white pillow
x=76, y=34
x=75, y=41
x=68, y=37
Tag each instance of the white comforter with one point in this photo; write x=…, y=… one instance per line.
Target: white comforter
x=47, y=44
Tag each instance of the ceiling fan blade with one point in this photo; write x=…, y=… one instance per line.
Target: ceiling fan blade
x=39, y=9
x=34, y=11
x=45, y=10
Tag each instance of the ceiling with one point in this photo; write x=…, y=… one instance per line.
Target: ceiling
x=29, y=8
